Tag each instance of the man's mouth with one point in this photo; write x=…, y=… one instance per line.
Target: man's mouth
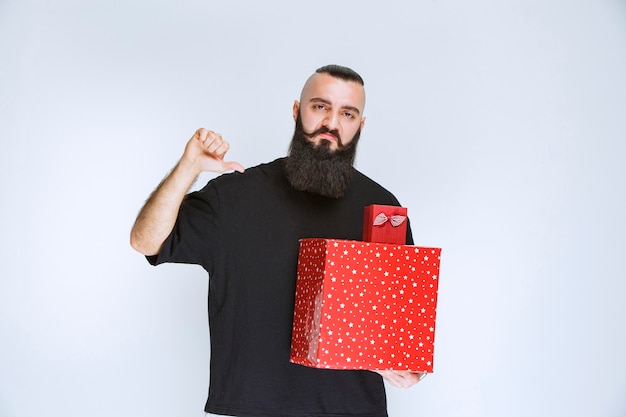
x=325, y=134
x=329, y=137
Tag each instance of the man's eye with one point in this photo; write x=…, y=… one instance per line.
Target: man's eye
x=320, y=107
x=349, y=115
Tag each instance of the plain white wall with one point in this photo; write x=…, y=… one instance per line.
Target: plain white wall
x=499, y=124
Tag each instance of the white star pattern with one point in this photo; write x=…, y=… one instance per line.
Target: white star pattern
x=367, y=322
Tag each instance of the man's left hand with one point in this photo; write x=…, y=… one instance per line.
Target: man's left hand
x=402, y=379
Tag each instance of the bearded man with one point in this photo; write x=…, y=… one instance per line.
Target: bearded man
x=243, y=229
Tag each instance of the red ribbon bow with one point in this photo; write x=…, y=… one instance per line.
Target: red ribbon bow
x=382, y=218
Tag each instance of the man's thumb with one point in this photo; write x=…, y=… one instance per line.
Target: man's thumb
x=234, y=166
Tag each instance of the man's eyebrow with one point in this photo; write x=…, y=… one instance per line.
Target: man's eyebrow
x=323, y=100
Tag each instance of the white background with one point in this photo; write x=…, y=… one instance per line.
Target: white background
x=501, y=125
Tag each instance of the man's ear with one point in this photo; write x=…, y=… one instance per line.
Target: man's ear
x=296, y=109
x=362, y=122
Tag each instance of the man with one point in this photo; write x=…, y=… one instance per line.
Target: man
x=243, y=229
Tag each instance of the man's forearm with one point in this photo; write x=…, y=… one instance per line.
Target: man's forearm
x=158, y=215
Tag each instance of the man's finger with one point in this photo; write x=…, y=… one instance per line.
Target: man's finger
x=221, y=149
x=402, y=379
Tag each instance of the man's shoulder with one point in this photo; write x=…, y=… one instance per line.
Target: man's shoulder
x=270, y=169
x=255, y=176
x=266, y=168
x=364, y=183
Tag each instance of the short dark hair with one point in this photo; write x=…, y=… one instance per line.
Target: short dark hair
x=341, y=72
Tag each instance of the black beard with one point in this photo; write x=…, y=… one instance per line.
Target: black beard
x=318, y=169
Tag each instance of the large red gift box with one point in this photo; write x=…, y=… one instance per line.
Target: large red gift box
x=365, y=305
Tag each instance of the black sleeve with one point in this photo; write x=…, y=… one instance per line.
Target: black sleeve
x=194, y=238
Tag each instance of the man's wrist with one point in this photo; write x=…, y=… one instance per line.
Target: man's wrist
x=187, y=170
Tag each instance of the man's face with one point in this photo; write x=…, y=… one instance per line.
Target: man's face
x=331, y=110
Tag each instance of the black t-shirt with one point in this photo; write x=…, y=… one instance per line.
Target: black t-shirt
x=243, y=229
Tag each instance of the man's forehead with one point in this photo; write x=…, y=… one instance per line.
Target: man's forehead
x=322, y=85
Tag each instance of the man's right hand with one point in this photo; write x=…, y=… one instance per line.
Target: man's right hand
x=205, y=152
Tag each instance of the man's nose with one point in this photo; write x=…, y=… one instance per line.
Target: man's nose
x=331, y=121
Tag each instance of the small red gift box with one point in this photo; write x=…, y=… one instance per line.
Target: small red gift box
x=364, y=305
x=384, y=224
